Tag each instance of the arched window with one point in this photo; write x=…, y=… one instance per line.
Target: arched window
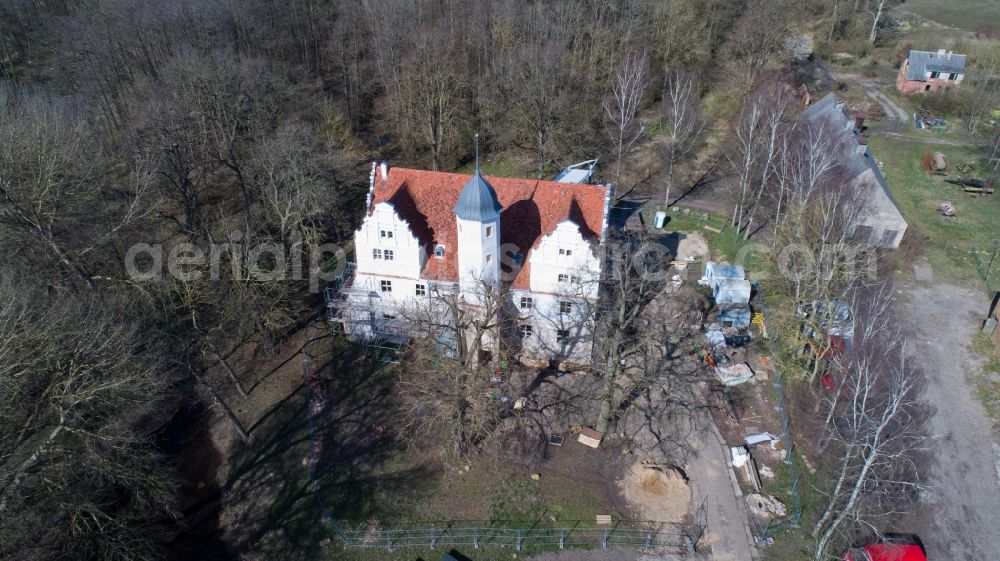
x=439, y=251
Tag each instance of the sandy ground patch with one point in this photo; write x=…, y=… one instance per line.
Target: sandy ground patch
x=657, y=492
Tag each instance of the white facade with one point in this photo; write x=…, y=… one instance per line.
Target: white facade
x=478, y=254
x=550, y=319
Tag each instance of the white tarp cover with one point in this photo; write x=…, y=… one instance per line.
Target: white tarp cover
x=734, y=374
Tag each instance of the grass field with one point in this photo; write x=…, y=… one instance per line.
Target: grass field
x=946, y=241
x=962, y=14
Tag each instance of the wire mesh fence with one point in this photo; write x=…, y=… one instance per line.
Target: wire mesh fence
x=985, y=262
x=568, y=534
x=795, y=515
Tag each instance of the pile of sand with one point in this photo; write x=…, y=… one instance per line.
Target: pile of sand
x=657, y=492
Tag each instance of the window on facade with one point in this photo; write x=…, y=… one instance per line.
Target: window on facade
x=562, y=335
x=889, y=237
x=526, y=331
x=927, y=88
x=934, y=75
x=527, y=302
x=389, y=255
x=421, y=290
x=953, y=76
x=489, y=231
x=376, y=254
x=388, y=316
x=565, y=307
x=439, y=251
x=563, y=278
x=386, y=285
x=385, y=234
x=566, y=252
x=861, y=234
x=574, y=279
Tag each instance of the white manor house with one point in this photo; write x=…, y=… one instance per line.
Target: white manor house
x=428, y=236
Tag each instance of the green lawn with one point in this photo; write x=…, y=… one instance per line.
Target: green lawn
x=947, y=241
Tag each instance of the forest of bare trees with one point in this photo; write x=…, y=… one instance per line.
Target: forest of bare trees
x=191, y=125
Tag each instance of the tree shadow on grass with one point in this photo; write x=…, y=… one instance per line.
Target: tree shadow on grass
x=271, y=506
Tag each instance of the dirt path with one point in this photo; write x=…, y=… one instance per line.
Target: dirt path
x=961, y=517
x=897, y=117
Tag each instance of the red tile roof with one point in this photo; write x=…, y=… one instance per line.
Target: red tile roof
x=531, y=208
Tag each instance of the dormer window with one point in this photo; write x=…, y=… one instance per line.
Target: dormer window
x=439, y=251
x=386, y=234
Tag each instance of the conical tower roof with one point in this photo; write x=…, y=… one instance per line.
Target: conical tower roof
x=478, y=200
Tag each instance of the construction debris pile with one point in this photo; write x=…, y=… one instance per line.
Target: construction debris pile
x=731, y=292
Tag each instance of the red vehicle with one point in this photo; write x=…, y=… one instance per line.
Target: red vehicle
x=910, y=550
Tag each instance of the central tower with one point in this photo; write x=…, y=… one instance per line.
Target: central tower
x=477, y=215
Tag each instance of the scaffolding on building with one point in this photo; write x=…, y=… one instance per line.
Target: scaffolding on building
x=363, y=317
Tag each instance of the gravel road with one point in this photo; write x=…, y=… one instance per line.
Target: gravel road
x=961, y=519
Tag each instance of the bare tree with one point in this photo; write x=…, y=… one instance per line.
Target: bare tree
x=878, y=7
x=821, y=263
x=984, y=84
x=636, y=273
x=743, y=158
x=682, y=119
x=58, y=192
x=76, y=476
x=759, y=33
x=876, y=426
x=621, y=107
x=775, y=128
x=444, y=386
x=433, y=88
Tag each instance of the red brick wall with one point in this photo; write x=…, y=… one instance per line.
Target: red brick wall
x=919, y=86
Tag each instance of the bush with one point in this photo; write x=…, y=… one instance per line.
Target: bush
x=871, y=70
x=946, y=104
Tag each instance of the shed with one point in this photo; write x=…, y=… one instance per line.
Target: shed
x=715, y=272
x=731, y=293
x=590, y=437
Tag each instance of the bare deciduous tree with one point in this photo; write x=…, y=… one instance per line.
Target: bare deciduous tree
x=621, y=107
x=636, y=273
x=433, y=86
x=444, y=386
x=682, y=120
x=875, y=422
x=75, y=473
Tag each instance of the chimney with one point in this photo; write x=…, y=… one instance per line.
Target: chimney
x=859, y=122
x=385, y=170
